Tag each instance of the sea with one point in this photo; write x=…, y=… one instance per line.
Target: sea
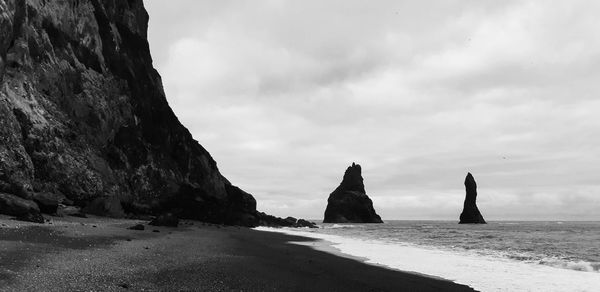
x=498, y=256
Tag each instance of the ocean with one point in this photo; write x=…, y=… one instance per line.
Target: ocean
x=498, y=256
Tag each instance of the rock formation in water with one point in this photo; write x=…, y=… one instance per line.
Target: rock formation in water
x=470, y=213
x=349, y=203
x=83, y=116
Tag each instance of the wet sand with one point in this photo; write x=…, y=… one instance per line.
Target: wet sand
x=99, y=254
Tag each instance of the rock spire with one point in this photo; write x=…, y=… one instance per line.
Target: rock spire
x=470, y=213
x=349, y=202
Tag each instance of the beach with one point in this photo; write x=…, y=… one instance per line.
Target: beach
x=100, y=254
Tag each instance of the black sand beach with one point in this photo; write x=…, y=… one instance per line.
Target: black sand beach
x=98, y=254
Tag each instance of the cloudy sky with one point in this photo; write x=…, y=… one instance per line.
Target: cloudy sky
x=286, y=94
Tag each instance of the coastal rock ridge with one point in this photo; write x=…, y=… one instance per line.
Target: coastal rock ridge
x=349, y=202
x=470, y=213
x=85, y=124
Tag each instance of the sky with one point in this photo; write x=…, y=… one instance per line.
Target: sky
x=286, y=94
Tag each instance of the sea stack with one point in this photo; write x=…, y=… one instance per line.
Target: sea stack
x=349, y=202
x=470, y=213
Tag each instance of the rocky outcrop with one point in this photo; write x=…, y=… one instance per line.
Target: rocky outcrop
x=349, y=203
x=272, y=221
x=83, y=115
x=470, y=213
x=305, y=223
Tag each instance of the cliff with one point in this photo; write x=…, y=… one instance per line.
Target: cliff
x=83, y=116
x=470, y=213
x=349, y=202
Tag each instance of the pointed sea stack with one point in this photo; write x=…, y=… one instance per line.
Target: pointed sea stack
x=470, y=213
x=349, y=203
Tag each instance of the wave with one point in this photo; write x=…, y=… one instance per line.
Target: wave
x=581, y=266
x=534, y=258
x=555, y=262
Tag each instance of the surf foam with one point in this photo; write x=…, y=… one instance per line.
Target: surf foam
x=484, y=273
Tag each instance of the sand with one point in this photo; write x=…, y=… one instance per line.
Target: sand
x=99, y=254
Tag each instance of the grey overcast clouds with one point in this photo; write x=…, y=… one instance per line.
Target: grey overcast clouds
x=286, y=94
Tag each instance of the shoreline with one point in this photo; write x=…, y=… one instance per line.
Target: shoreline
x=328, y=246
x=102, y=254
x=480, y=269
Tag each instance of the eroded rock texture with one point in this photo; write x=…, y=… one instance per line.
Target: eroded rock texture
x=349, y=203
x=470, y=213
x=83, y=115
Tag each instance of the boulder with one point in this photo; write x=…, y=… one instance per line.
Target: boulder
x=291, y=220
x=470, y=213
x=25, y=210
x=349, y=202
x=168, y=220
x=48, y=202
x=305, y=223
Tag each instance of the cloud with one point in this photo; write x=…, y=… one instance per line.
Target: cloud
x=286, y=94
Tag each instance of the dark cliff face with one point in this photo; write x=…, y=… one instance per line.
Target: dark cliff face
x=470, y=213
x=349, y=202
x=83, y=114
